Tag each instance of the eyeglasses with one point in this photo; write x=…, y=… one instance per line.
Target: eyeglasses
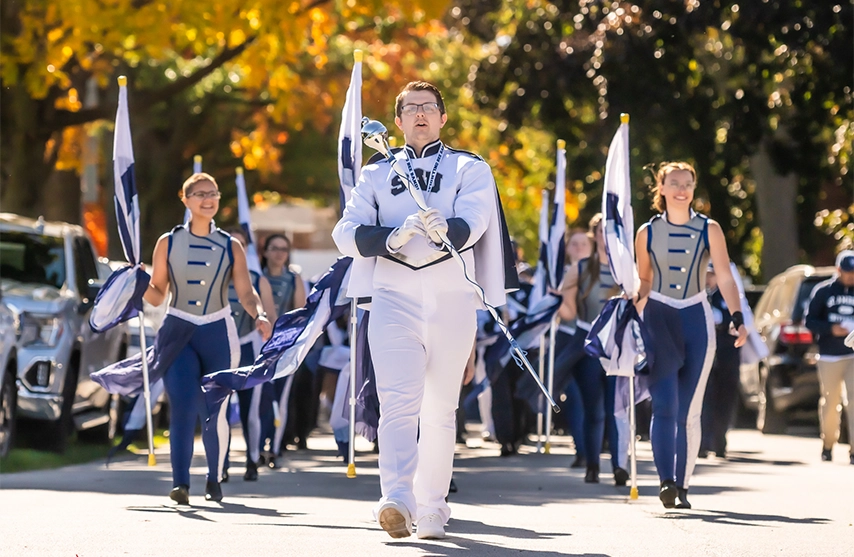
x=681, y=186
x=426, y=108
x=205, y=194
x=280, y=250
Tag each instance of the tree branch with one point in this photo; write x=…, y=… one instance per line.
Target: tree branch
x=145, y=99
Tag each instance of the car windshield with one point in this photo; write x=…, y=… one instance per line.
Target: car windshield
x=32, y=258
x=803, y=300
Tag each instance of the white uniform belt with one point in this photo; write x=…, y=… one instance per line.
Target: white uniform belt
x=420, y=263
x=583, y=325
x=199, y=319
x=697, y=298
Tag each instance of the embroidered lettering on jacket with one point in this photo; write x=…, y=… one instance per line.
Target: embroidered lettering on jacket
x=397, y=186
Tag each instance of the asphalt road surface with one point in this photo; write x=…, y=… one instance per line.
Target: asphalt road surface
x=773, y=496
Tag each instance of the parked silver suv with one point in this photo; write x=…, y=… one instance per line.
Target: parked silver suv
x=50, y=277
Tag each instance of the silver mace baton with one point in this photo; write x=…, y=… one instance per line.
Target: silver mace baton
x=375, y=136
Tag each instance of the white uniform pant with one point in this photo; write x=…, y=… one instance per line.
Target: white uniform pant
x=421, y=335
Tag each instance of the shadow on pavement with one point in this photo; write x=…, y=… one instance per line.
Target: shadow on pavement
x=453, y=546
x=740, y=519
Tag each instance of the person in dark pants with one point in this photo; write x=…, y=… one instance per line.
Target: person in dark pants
x=721, y=395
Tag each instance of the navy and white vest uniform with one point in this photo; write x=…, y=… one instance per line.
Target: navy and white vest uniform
x=199, y=271
x=283, y=287
x=244, y=322
x=679, y=334
x=423, y=311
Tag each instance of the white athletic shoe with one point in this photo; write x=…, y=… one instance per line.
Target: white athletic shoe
x=394, y=518
x=431, y=527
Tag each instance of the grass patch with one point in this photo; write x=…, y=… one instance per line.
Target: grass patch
x=78, y=452
x=24, y=460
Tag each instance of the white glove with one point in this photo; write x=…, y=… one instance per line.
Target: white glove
x=849, y=340
x=410, y=228
x=435, y=224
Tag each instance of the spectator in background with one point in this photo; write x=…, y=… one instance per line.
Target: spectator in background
x=831, y=318
x=722, y=389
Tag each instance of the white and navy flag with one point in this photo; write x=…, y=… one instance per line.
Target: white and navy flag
x=293, y=336
x=557, y=228
x=121, y=296
x=615, y=336
x=252, y=261
x=350, y=134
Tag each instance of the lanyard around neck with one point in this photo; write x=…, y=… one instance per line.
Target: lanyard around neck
x=413, y=178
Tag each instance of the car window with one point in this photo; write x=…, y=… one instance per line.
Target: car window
x=84, y=262
x=770, y=303
x=804, y=296
x=32, y=259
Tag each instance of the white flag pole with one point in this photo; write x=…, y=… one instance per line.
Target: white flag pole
x=351, y=466
x=541, y=400
x=551, y=380
x=146, y=392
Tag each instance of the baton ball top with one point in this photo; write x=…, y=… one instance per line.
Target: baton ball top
x=561, y=144
x=357, y=55
x=123, y=81
x=624, y=118
x=197, y=159
x=239, y=171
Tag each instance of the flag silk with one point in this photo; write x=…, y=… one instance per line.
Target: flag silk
x=557, y=228
x=120, y=298
x=615, y=336
x=350, y=136
x=541, y=273
x=293, y=336
x=252, y=261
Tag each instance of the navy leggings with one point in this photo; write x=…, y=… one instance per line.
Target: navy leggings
x=207, y=351
x=590, y=378
x=677, y=396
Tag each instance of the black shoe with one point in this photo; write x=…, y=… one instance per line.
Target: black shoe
x=180, y=494
x=344, y=451
x=852, y=458
x=224, y=477
x=213, y=491
x=682, y=494
x=508, y=449
x=453, y=487
x=704, y=453
x=668, y=493
x=620, y=476
x=579, y=462
x=592, y=475
x=827, y=455
x=251, y=474
x=302, y=445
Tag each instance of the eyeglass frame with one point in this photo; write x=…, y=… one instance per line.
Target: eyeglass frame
x=403, y=109
x=202, y=195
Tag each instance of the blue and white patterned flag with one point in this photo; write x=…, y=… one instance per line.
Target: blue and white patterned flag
x=252, y=261
x=293, y=336
x=615, y=336
x=557, y=228
x=350, y=134
x=197, y=167
x=121, y=296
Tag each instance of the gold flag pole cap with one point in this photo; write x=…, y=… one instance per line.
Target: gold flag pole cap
x=239, y=171
x=197, y=159
x=123, y=81
x=624, y=118
x=357, y=55
x=561, y=144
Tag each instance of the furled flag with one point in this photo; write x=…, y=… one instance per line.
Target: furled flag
x=197, y=167
x=350, y=134
x=121, y=296
x=557, y=229
x=293, y=336
x=252, y=261
x=615, y=336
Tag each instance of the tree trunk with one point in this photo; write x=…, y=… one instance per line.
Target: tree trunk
x=776, y=202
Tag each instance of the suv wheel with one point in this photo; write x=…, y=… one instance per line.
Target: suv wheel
x=768, y=418
x=8, y=406
x=58, y=431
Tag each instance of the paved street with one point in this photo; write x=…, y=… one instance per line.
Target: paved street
x=773, y=497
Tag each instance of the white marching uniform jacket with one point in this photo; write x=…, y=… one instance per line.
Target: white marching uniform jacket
x=464, y=192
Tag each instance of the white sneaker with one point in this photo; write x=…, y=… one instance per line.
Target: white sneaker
x=394, y=518
x=431, y=527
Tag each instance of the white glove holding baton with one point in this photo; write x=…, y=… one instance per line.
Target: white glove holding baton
x=411, y=227
x=435, y=225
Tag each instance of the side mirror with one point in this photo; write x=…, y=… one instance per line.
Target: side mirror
x=92, y=290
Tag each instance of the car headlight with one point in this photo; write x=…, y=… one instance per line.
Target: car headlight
x=39, y=329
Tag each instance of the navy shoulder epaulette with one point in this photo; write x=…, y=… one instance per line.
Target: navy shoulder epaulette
x=379, y=157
